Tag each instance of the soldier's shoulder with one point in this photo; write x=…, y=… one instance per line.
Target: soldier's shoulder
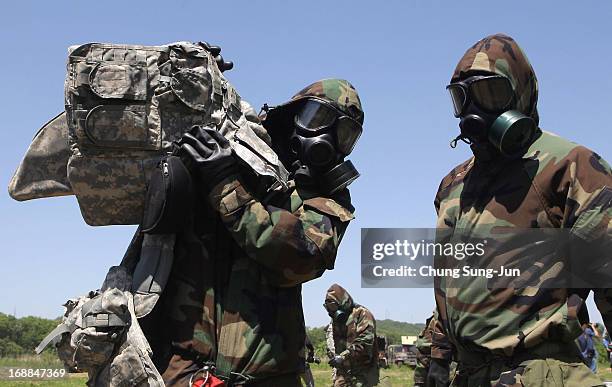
x=550, y=145
x=365, y=312
x=555, y=152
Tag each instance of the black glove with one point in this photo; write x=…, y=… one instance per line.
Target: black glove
x=207, y=154
x=438, y=373
x=336, y=361
x=216, y=53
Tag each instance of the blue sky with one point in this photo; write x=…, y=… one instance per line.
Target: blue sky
x=398, y=54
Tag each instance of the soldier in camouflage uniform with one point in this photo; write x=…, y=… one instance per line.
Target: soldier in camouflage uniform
x=424, y=357
x=354, y=332
x=517, y=336
x=423, y=346
x=233, y=300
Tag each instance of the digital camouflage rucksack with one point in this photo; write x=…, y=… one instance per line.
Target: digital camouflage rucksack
x=125, y=105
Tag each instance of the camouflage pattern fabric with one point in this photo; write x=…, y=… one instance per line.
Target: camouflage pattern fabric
x=354, y=341
x=100, y=334
x=330, y=347
x=501, y=332
x=34, y=179
x=125, y=105
x=234, y=294
x=423, y=346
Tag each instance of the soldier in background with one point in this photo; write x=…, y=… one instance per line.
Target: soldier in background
x=232, y=307
x=439, y=376
x=355, y=353
x=586, y=343
x=307, y=376
x=520, y=177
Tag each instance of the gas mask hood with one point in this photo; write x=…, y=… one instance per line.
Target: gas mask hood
x=494, y=93
x=315, y=131
x=338, y=303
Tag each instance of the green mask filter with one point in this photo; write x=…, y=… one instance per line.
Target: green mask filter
x=511, y=132
x=338, y=315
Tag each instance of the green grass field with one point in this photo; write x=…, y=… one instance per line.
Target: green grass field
x=45, y=361
x=392, y=377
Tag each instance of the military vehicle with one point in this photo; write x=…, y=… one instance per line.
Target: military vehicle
x=403, y=354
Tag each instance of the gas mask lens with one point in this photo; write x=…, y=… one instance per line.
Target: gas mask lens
x=348, y=132
x=493, y=94
x=315, y=116
x=458, y=97
x=331, y=307
x=490, y=93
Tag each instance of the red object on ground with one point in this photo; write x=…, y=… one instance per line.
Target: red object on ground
x=211, y=382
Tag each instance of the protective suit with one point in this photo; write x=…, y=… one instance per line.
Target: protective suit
x=425, y=357
x=233, y=298
x=511, y=335
x=355, y=355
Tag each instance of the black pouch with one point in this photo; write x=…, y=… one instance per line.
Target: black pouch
x=170, y=198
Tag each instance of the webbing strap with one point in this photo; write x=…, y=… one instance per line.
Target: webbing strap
x=53, y=336
x=103, y=320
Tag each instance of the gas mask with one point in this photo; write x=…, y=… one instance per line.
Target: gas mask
x=334, y=311
x=484, y=103
x=322, y=137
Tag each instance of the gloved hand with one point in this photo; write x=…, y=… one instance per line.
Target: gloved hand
x=207, y=154
x=438, y=373
x=216, y=53
x=336, y=361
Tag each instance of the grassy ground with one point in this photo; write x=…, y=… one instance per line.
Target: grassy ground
x=322, y=373
x=392, y=377
x=46, y=361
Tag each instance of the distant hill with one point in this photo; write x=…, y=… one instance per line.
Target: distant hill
x=391, y=329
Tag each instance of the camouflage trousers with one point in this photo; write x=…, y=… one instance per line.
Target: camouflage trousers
x=546, y=372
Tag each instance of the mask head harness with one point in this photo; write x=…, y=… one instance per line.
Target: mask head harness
x=484, y=104
x=322, y=137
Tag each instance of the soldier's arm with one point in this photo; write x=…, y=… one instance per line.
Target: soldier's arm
x=294, y=246
x=586, y=185
x=423, y=346
x=441, y=347
x=359, y=351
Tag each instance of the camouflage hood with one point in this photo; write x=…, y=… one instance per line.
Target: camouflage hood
x=500, y=54
x=339, y=295
x=337, y=92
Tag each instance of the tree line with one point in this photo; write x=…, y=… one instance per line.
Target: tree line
x=19, y=336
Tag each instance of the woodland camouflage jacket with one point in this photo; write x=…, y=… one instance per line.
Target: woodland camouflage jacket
x=556, y=184
x=234, y=293
x=355, y=338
